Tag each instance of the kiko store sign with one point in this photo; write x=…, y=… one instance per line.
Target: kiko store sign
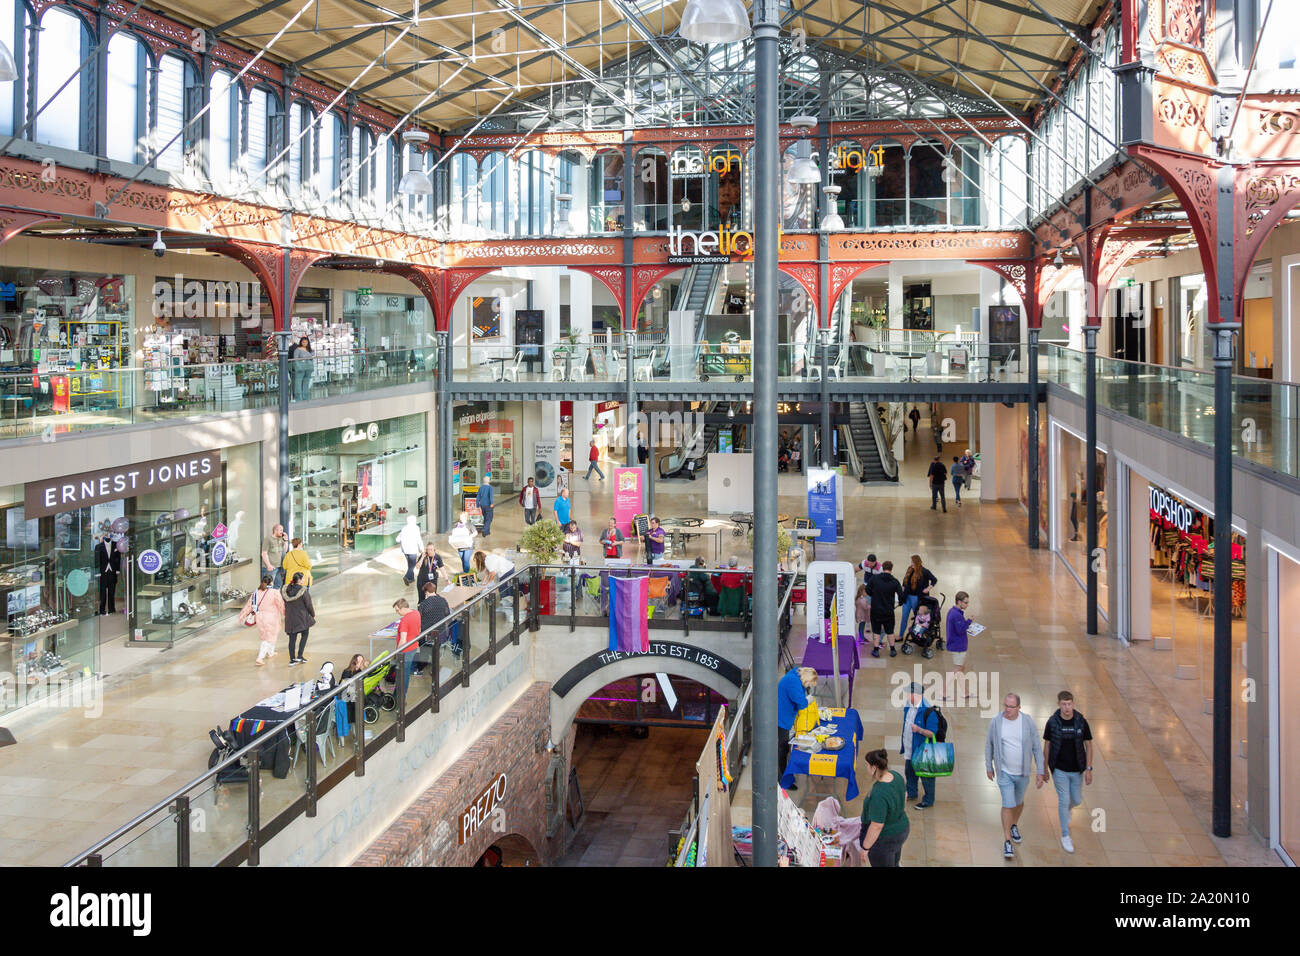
x=53, y=495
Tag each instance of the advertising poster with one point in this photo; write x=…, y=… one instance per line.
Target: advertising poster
x=546, y=464
x=822, y=483
x=455, y=478
x=629, y=482
x=724, y=441
x=830, y=600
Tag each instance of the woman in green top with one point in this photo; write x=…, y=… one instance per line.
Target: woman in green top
x=884, y=818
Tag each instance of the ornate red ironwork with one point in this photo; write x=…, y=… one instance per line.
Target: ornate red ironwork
x=644, y=279
x=266, y=261
x=806, y=274
x=842, y=273
x=454, y=282
x=13, y=222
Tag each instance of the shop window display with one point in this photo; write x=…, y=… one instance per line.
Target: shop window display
x=1070, y=507
x=353, y=487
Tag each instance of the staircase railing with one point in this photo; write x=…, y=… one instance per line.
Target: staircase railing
x=884, y=444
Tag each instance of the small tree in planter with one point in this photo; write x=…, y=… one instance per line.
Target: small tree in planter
x=783, y=543
x=542, y=540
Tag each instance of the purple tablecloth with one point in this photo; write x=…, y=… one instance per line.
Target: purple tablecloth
x=818, y=655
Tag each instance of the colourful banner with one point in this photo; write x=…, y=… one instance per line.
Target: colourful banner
x=629, y=598
x=629, y=482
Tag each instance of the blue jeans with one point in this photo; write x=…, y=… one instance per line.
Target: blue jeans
x=277, y=578
x=927, y=783
x=592, y=466
x=1069, y=794
x=410, y=567
x=909, y=607
x=956, y=488
x=937, y=496
x=487, y=520
x=465, y=555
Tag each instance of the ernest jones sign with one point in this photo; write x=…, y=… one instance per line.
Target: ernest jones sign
x=109, y=484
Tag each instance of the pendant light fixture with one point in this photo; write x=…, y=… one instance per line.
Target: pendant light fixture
x=804, y=171
x=414, y=182
x=714, y=21
x=563, y=227
x=832, y=222
x=8, y=68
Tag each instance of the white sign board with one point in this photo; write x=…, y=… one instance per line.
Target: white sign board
x=731, y=482
x=838, y=576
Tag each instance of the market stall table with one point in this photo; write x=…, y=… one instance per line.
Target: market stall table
x=818, y=655
x=685, y=528
x=828, y=763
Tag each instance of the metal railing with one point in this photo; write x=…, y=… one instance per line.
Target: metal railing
x=234, y=833
x=70, y=400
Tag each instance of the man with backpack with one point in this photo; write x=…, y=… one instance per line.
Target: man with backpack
x=922, y=722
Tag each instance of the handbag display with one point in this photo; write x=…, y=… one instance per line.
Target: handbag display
x=936, y=759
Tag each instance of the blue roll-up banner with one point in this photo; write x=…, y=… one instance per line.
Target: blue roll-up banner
x=821, y=502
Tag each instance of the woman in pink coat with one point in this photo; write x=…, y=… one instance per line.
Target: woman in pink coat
x=268, y=605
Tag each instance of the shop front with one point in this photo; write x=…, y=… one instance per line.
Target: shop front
x=180, y=539
x=1284, y=680
x=353, y=487
x=1069, y=508
x=489, y=437
x=1044, y=513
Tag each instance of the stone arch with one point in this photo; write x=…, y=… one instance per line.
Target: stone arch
x=565, y=708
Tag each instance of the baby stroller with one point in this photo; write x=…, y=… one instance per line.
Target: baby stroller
x=375, y=697
x=932, y=639
x=224, y=746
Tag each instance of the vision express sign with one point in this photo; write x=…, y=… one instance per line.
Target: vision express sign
x=109, y=484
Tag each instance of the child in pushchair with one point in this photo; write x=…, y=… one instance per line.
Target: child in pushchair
x=375, y=696
x=924, y=631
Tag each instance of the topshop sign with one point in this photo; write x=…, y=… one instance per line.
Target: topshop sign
x=1177, y=513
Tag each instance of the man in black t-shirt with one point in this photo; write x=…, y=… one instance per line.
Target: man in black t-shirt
x=433, y=608
x=938, y=474
x=1068, y=755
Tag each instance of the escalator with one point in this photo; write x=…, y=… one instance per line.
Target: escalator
x=869, y=444
x=695, y=295
x=690, y=459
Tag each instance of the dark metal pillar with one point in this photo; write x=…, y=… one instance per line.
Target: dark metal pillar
x=1223, y=330
x=283, y=336
x=824, y=347
x=444, y=446
x=1090, y=468
x=767, y=217
x=1032, y=490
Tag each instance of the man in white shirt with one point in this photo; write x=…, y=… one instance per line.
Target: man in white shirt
x=530, y=499
x=1012, y=746
x=411, y=542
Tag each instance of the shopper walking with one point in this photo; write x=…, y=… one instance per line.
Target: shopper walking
x=265, y=608
x=915, y=416
x=1012, y=751
x=428, y=568
x=920, y=724
x=611, y=540
x=938, y=474
x=299, y=617
x=411, y=540
x=563, y=506
x=530, y=499
x=487, y=499
x=301, y=357
x=274, y=548
x=884, y=814
x=642, y=450
x=957, y=639
x=593, y=462
x=296, y=561
x=462, y=538
x=958, y=477
x=1068, y=755
x=917, y=581
x=885, y=594
x=791, y=697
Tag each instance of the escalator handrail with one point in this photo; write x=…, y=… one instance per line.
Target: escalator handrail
x=883, y=446
x=850, y=446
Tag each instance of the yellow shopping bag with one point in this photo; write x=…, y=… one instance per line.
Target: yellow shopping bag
x=807, y=718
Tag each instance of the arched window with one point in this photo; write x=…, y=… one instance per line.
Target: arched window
x=798, y=200
x=848, y=96
x=362, y=165
x=495, y=208
x=435, y=203
x=464, y=193
x=927, y=189
x=605, y=191
x=175, y=76
x=223, y=126
x=302, y=134
x=328, y=170
x=265, y=135
x=571, y=180
x=686, y=171
x=13, y=30
x=888, y=191
x=384, y=159
x=63, y=42
x=724, y=186
x=127, y=87
x=1007, y=182
x=965, y=184
x=651, y=191
x=533, y=211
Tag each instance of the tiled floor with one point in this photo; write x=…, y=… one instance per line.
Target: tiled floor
x=70, y=780
x=634, y=791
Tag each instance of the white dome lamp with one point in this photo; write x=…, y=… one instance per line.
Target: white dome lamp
x=714, y=21
x=804, y=171
x=832, y=221
x=8, y=68
x=414, y=182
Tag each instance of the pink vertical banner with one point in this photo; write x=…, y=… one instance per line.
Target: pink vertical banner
x=629, y=485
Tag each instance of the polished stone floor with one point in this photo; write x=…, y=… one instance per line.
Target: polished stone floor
x=73, y=778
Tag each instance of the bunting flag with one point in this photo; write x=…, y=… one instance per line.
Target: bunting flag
x=629, y=602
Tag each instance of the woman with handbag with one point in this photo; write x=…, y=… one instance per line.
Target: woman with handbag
x=884, y=813
x=296, y=561
x=299, y=617
x=462, y=539
x=264, y=610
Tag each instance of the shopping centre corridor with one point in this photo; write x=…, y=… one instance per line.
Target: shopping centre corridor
x=71, y=780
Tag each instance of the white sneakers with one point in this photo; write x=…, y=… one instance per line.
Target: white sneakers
x=1067, y=844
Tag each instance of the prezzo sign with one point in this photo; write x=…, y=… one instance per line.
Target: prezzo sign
x=352, y=434
x=473, y=816
x=53, y=495
x=1178, y=513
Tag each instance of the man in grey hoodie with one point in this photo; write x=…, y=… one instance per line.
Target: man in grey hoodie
x=1012, y=745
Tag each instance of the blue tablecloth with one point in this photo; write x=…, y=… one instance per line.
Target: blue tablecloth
x=850, y=728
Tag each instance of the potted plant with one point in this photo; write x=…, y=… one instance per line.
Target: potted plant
x=784, y=542
x=541, y=541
